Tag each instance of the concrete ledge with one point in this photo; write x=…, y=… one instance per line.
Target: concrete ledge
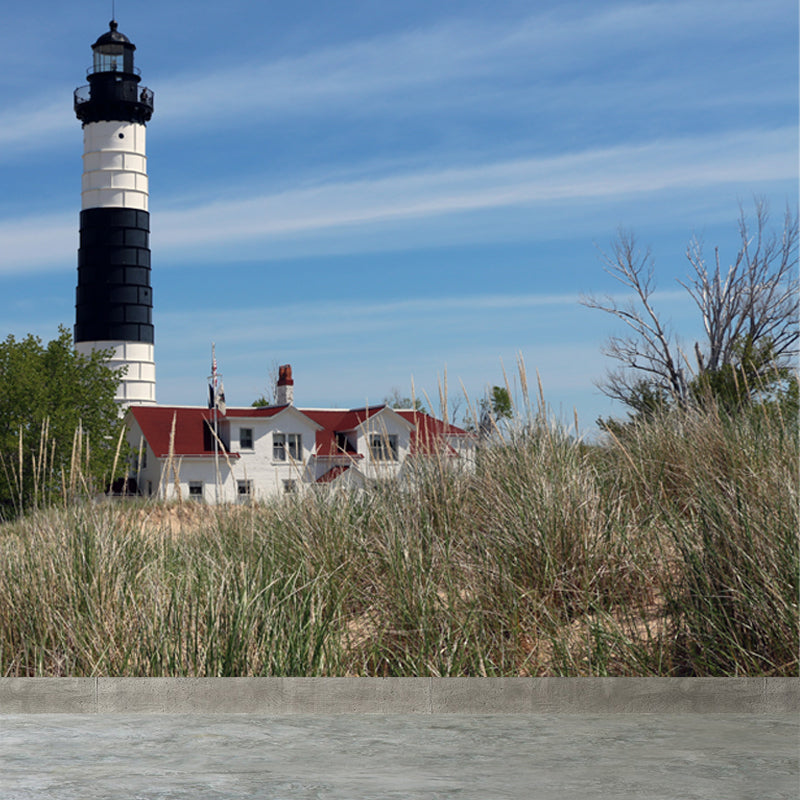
x=278, y=696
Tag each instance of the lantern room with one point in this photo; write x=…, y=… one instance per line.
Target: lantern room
x=113, y=92
x=113, y=52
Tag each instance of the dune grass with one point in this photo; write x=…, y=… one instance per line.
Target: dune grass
x=671, y=548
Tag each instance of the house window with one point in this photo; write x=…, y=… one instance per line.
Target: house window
x=289, y=487
x=383, y=447
x=196, y=491
x=245, y=438
x=283, y=443
x=343, y=444
x=244, y=491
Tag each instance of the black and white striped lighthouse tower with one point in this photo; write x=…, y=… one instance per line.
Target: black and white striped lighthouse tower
x=114, y=302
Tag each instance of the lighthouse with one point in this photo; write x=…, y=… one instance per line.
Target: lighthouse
x=114, y=298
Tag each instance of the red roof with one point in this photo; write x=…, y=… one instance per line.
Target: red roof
x=328, y=448
x=193, y=435
x=333, y=473
x=430, y=424
x=429, y=434
x=335, y=421
x=263, y=411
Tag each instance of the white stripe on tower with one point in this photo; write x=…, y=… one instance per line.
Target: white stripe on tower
x=114, y=166
x=114, y=299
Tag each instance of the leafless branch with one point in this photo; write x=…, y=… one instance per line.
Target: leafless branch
x=754, y=299
x=649, y=348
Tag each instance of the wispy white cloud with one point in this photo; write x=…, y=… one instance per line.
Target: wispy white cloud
x=322, y=321
x=421, y=337
x=399, y=204
x=36, y=124
x=400, y=68
x=744, y=158
x=465, y=51
x=43, y=243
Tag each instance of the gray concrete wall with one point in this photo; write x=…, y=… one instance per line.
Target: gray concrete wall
x=274, y=696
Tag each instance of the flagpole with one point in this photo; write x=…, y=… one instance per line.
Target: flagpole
x=214, y=418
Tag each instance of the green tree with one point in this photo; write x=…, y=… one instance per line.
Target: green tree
x=751, y=374
x=644, y=400
x=501, y=403
x=495, y=408
x=396, y=400
x=58, y=418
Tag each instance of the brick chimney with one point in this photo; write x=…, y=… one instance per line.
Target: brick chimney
x=284, y=395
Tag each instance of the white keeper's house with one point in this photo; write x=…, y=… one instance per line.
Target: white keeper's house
x=259, y=453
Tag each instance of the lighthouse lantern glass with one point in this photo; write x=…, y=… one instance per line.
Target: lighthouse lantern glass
x=112, y=58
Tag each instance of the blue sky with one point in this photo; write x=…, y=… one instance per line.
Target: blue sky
x=375, y=191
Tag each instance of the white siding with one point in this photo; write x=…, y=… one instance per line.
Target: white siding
x=268, y=474
x=138, y=384
x=114, y=166
x=258, y=465
x=384, y=424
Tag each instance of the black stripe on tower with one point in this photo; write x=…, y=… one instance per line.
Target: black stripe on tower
x=114, y=300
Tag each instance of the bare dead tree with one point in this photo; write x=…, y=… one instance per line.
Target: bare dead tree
x=650, y=349
x=755, y=300
x=270, y=396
